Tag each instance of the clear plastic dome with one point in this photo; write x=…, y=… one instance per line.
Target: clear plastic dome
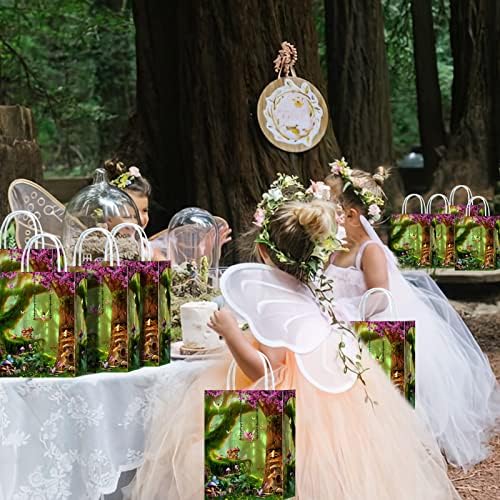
x=99, y=205
x=193, y=239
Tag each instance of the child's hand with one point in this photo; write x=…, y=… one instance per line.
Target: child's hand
x=225, y=235
x=223, y=322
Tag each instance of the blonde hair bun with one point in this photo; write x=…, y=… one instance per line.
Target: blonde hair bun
x=381, y=174
x=316, y=217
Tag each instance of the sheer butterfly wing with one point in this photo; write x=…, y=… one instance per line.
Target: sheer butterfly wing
x=24, y=194
x=282, y=312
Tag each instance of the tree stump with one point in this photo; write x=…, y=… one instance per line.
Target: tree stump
x=20, y=154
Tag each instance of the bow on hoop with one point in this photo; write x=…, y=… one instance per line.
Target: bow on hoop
x=287, y=57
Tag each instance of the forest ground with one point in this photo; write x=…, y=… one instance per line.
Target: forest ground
x=482, y=314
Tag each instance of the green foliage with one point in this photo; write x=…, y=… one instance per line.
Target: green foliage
x=399, y=44
x=56, y=57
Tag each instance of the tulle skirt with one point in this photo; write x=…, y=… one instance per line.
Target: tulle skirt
x=346, y=448
x=457, y=393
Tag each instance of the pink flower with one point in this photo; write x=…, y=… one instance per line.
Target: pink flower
x=319, y=190
x=134, y=171
x=248, y=436
x=336, y=167
x=258, y=217
x=374, y=211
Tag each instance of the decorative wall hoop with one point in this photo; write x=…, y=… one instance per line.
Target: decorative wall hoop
x=292, y=113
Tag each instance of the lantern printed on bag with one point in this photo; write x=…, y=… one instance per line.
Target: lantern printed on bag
x=37, y=331
x=475, y=239
x=392, y=344
x=249, y=444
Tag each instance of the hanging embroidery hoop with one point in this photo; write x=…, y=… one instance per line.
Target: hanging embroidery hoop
x=291, y=111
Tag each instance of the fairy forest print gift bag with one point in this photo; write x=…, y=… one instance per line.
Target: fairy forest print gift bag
x=475, y=239
x=497, y=241
x=249, y=444
x=442, y=234
x=409, y=236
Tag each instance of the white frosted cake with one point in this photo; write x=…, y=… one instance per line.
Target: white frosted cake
x=195, y=332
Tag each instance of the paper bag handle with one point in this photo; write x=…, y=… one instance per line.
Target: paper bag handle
x=443, y=197
x=268, y=374
x=146, y=250
x=110, y=250
x=485, y=203
x=455, y=189
x=371, y=291
x=408, y=198
x=60, y=253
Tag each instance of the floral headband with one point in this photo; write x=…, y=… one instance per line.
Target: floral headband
x=285, y=189
x=373, y=203
x=127, y=178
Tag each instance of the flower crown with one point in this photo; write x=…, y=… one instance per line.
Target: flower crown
x=285, y=189
x=373, y=203
x=127, y=178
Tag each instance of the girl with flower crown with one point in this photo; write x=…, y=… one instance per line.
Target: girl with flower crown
x=457, y=394
x=356, y=437
x=139, y=189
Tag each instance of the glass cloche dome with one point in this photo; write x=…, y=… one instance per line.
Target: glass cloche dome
x=99, y=205
x=193, y=239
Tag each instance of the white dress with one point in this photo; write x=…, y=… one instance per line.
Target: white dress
x=457, y=393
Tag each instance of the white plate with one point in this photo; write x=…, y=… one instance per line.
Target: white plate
x=175, y=352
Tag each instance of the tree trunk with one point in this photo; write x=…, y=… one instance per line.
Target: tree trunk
x=198, y=83
x=66, y=359
x=118, y=344
x=473, y=151
x=151, y=347
x=19, y=152
x=273, y=471
x=430, y=111
x=358, y=82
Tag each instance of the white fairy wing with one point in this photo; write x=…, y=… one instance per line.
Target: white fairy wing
x=282, y=313
x=27, y=195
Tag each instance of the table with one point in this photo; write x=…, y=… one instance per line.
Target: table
x=72, y=438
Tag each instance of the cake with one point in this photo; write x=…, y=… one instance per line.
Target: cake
x=196, y=335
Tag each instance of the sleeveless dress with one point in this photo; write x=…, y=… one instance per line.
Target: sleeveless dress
x=346, y=448
x=457, y=393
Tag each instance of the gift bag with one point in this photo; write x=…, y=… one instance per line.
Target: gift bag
x=474, y=238
x=149, y=298
x=442, y=234
x=110, y=320
x=37, y=336
x=497, y=242
x=391, y=343
x=252, y=454
x=409, y=236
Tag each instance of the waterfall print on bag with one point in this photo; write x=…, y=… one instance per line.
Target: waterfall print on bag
x=249, y=444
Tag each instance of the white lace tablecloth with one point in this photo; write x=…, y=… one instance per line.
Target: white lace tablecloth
x=71, y=438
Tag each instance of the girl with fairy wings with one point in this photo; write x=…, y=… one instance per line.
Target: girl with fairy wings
x=356, y=436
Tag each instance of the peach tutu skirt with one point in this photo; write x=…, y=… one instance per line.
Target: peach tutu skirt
x=346, y=449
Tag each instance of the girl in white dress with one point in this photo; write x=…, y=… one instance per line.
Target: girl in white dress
x=457, y=393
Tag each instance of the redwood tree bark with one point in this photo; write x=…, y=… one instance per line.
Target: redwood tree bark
x=197, y=91
x=430, y=111
x=473, y=153
x=358, y=82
